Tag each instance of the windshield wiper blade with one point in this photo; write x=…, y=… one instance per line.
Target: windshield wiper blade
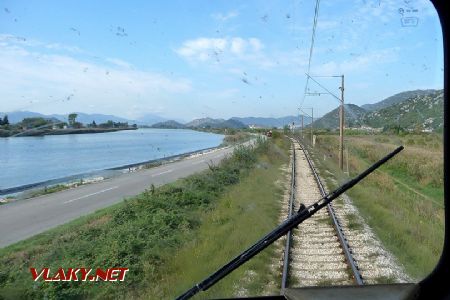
x=303, y=214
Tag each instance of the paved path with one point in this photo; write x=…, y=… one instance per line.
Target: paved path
x=25, y=218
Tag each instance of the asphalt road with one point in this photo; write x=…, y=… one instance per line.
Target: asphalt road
x=25, y=218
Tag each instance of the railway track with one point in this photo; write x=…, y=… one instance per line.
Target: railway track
x=335, y=246
x=316, y=253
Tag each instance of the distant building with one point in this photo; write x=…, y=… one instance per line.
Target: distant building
x=254, y=126
x=370, y=129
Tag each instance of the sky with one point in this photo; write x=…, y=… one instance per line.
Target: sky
x=193, y=59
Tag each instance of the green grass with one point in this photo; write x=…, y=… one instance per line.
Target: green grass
x=243, y=215
x=236, y=137
x=159, y=232
x=49, y=190
x=353, y=222
x=326, y=221
x=403, y=200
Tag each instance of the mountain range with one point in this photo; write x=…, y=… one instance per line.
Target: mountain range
x=272, y=122
x=396, y=99
x=409, y=110
x=419, y=109
x=422, y=112
x=202, y=123
x=17, y=116
x=352, y=115
x=160, y=122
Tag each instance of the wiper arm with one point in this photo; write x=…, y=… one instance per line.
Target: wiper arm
x=303, y=214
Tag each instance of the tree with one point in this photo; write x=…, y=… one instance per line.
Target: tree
x=5, y=120
x=34, y=122
x=72, y=117
x=94, y=125
x=77, y=125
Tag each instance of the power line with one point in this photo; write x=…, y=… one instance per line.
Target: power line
x=313, y=36
x=329, y=92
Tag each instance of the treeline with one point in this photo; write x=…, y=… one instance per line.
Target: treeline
x=110, y=124
x=4, y=120
x=36, y=123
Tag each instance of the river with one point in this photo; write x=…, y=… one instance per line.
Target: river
x=30, y=160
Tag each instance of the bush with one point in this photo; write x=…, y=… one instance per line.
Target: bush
x=134, y=234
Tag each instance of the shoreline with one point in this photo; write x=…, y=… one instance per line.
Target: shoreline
x=43, y=132
x=128, y=168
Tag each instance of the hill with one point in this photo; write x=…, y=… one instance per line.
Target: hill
x=215, y=123
x=397, y=98
x=352, y=117
x=271, y=122
x=231, y=124
x=420, y=112
x=150, y=119
x=170, y=124
x=204, y=122
x=18, y=116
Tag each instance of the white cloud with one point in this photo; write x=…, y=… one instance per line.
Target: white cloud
x=238, y=46
x=359, y=63
x=45, y=82
x=225, y=17
x=13, y=40
x=256, y=44
x=202, y=48
x=326, y=25
x=119, y=62
x=229, y=50
x=237, y=54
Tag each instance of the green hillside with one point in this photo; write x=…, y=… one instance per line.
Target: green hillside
x=170, y=124
x=397, y=98
x=352, y=114
x=420, y=112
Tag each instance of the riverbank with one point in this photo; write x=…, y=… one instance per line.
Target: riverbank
x=56, y=185
x=42, y=132
x=40, y=161
x=25, y=218
x=152, y=232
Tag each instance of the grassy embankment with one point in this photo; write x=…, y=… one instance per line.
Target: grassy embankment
x=232, y=136
x=236, y=137
x=403, y=200
x=170, y=237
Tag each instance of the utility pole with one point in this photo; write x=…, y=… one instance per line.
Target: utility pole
x=312, y=121
x=346, y=152
x=341, y=112
x=341, y=127
x=302, y=126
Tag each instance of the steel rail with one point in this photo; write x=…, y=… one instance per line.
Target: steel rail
x=301, y=215
x=287, y=248
x=341, y=236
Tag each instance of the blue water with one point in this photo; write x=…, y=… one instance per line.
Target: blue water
x=28, y=160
